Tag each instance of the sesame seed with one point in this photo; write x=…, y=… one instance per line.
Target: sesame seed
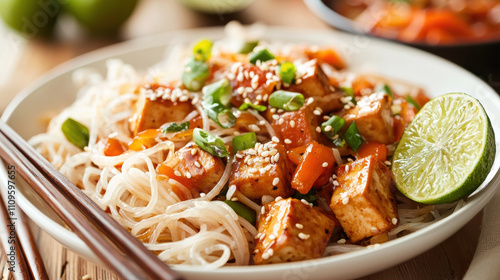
x=276, y=117
x=254, y=127
x=197, y=164
x=374, y=230
x=288, y=141
x=230, y=76
x=325, y=117
x=265, y=153
x=347, y=107
x=276, y=139
x=263, y=210
x=318, y=129
x=394, y=221
x=310, y=101
x=280, y=111
x=350, y=160
x=193, y=151
x=256, y=251
x=183, y=98
x=278, y=198
x=341, y=241
x=265, y=256
x=387, y=162
x=328, y=128
x=298, y=81
x=299, y=226
x=325, y=164
x=188, y=175
x=271, y=252
x=276, y=157
x=281, y=121
x=239, y=78
x=345, y=200
x=177, y=173
x=202, y=194
x=317, y=112
x=271, y=236
x=268, y=218
x=304, y=236
x=335, y=183
x=234, y=199
x=266, y=96
x=304, y=201
x=252, y=152
x=292, y=123
x=276, y=181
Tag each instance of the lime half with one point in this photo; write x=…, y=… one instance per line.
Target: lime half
x=446, y=152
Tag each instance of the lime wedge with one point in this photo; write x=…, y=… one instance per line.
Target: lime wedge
x=446, y=152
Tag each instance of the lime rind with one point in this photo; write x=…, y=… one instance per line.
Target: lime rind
x=446, y=152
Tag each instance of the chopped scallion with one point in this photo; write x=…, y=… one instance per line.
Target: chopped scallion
x=287, y=72
x=210, y=143
x=286, y=100
x=220, y=114
x=76, y=133
x=248, y=47
x=242, y=210
x=195, y=75
x=413, y=102
x=202, y=50
x=386, y=89
x=174, y=127
x=244, y=141
x=309, y=197
x=353, y=137
x=350, y=92
x=334, y=124
x=262, y=55
x=246, y=105
x=218, y=92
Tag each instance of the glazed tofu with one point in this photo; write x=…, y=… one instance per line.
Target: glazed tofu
x=290, y=230
x=373, y=118
x=262, y=170
x=200, y=168
x=250, y=84
x=296, y=128
x=363, y=201
x=153, y=110
x=311, y=81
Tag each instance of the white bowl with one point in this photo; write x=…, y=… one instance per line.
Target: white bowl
x=55, y=91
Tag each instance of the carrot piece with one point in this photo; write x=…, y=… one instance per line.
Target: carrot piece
x=327, y=55
x=377, y=149
x=295, y=154
x=170, y=172
x=398, y=128
x=311, y=169
x=408, y=112
x=144, y=140
x=359, y=84
x=113, y=148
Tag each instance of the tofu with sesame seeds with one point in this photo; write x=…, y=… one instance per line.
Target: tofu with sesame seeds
x=363, y=201
x=289, y=230
x=200, y=168
x=373, y=117
x=251, y=84
x=297, y=128
x=261, y=171
x=153, y=109
x=311, y=81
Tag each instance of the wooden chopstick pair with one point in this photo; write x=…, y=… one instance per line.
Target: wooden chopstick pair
x=23, y=256
x=114, y=245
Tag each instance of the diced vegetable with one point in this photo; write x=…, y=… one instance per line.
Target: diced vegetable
x=246, y=105
x=353, y=137
x=287, y=72
x=317, y=161
x=286, y=100
x=309, y=197
x=386, y=89
x=170, y=173
x=295, y=154
x=331, y=127
x=248, y=47
x=195, y=75
x=174, y=127
x=220, y=114
x=242, y=210
x=262, y=55
x=412, y=102
x=350, y=92
x=244, y=141
x=218, y=92
x=76, y=133
x=113, y=148
x=209, y=143
x=144, y=140
x=202, y=50
x=376, y=149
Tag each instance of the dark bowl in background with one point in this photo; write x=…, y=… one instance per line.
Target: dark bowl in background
x=481, y=58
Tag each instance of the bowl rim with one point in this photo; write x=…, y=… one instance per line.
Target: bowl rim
x=336, y=20
x=476, y=202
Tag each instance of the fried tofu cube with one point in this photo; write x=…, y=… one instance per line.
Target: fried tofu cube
x=363, y=201
x=313, y=82
x=290, y=230
x=373, y=118
x=297, y=128
x=152, y=111
x=250, y=84
x=202, y=170
x=262, y=170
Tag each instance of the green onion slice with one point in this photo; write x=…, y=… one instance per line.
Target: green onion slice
x=349, y=91
x=353, y=137
x=246, y=105
x=76, y=133
x=262, y=55
x=220, y=114
x=386, y=89
x=174, y=127
x=413, y=102
x=287, y=72
x=218, y=92
x=242, y=210
x=248, y=47
x=210, y=143
x=195, y=75
x=244, y=141
x=339, y=142
x=309, y=197
x=202, y=50
x=286, y=100
x=332, y=126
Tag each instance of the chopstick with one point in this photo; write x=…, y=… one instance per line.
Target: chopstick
x=12, y=246
x=80, y=213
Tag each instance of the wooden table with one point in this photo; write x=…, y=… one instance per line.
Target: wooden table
x=448, y=260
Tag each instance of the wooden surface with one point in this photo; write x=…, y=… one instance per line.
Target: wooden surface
x=448, y=260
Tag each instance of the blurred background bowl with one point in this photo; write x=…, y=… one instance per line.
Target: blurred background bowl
x=217, y=6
